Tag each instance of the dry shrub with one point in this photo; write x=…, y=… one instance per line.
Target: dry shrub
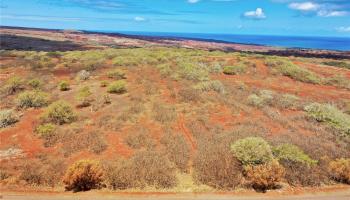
x=340, y=170
x=145, y=168
x=214, y=165
x=7, y=118
x=47, y=172
x=301, y=174
x=32, y=99
x=190, y=95
x=164, y=113
x=119, y=175
x=141, y=138
x=154, y=169
x=265, y=176
x=75, y=140
x=83, y=175
x=177, y=150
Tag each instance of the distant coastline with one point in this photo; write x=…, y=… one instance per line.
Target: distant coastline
x=290, y=42
x=287, y=42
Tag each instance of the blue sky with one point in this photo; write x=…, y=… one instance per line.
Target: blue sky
x=259, y=17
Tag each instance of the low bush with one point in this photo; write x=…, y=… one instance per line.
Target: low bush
x=292, y=153
x=119, y=175
x=59, y=112
x=265, y=176
x=234, y=70
x=252, y=151
x=340, y=170
x=330, y=115
x=117, y=87
x=83, y=175
x=63, y=86
x=7, y=118
x=177, y=150
x=338, y=64
x=35, y=83
x=338, y=81
x=214, y=165
x=83, y=75
x=164, y=113
x=153, y=169
x=84, y=97
x=287, y=101
x=117, y=74
x=193, y=71
x=104, y=83
x=13, y=85
x=300, y=174
x=32, y=99
x=190, y=95
x=287, y=68
x=47, y=132
x=207, y=86
x=264, y=97
x=140, y=139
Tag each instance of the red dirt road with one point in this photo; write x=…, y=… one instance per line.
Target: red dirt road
x=339, y=195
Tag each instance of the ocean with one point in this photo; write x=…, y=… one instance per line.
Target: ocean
x=327, y=43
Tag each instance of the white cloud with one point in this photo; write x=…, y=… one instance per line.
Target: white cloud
x=343, y=29
x=139, y=19
x=325, y=13
x=304, y=6
x=257, y=14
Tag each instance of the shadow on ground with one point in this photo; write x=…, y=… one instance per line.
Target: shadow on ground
x=14, y=42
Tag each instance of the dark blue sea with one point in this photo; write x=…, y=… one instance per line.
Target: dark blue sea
x=329, y=43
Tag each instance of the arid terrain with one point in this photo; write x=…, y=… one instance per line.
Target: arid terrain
x=81, y=111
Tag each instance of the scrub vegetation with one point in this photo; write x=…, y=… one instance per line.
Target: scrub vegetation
x=172, y=119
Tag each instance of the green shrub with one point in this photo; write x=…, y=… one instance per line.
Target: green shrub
x=340, y=170
x=234, y=70
x=104, y=83
x=35, y=83
x=338, y=81
x=117, y=87
x=338, y=64
x=193, y=71
x=264, y=176
x=13, y=85
x=84, y=97
x=264, y=97
x=45, y=130
x=7, y=117
x=83, y=175
x=207, y=86
x=292, y=153
x=252, y=150
x=287, y=68
x=32, y=99
x=330, y=115
x=116, y=74
x=59, y=112
x=63, y=86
